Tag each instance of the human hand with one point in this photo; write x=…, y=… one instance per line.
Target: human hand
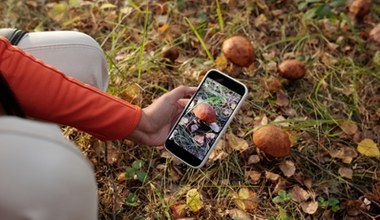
x=158, y=118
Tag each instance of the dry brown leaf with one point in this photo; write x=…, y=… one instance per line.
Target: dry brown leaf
x=288, y=168
x=308, y=182
x=282, y=99
x=253, y=159
x=346, y=154
x=271, y=176
x=178, y=210
x=236, y=143
x=260, y=20
x=271, y=84
x=349, y=127
x=345, y=172
x=299, y=194
x=246, y=200
x=269, y=56
x=260, y=121
x=237, y=214
x=309, y=207
x=219, y=152
x=304, y=180
x=280, y=121
x=353, y=207
x=281, y=184
x=254, y=175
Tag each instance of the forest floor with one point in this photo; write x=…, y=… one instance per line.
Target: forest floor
x=332, y=114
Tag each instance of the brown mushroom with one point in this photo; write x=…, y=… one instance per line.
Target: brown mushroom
x=205, y=112
x=292, y=69
x=272, y=140
x=171, y=54
x=239, y=51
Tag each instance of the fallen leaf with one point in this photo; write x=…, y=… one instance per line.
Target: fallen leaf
x=368, y=148
x=260, y=20
x=309, y=207
x=299, y=194
x=254, y=175
x=237, y=214
x=221, y=62
x=194, y=200
x=281, y=184
x=219, y=152
x=271, y=176
x=280, y=121
x=178, y=210
x=253, y=159
x=260, y=121
x=304, y=180
x=349, y=127
x=246, y=200
x=282, y=99
x=346, y=154
x=271, y=84
x=345, y=172
x=236, y=143
x=353, y=207
x=269, y=56
x=288, y=168
x=121, y=177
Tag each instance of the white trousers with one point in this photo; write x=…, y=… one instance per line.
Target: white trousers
x=42, y=175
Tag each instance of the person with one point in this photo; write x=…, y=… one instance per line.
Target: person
x=59, y=78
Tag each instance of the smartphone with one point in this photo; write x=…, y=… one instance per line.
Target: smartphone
x=205, y=118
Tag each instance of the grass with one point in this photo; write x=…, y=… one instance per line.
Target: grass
x=331, y=92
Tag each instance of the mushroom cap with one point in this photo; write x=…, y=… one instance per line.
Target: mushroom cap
x=272, y=140
x=205, y=112
x=292, y=69
x=172, y=54
x=239, y=51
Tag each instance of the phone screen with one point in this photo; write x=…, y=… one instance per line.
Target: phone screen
x=204, y=119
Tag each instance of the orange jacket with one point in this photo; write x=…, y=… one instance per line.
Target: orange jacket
x=45, y=93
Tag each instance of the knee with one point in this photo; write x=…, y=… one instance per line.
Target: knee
x=43, y=177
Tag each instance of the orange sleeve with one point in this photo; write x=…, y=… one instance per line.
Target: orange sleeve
x=47, y=94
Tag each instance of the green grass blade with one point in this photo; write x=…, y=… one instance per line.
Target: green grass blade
x=142, y=46
x=200, y=39
x=220, y=17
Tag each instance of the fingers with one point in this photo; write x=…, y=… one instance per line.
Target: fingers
x=183, y=102
x=181, y=92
